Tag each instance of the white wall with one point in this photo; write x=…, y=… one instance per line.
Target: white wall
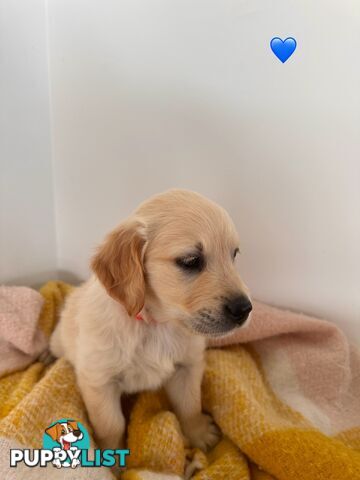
x=148, y=95
x=27, y=226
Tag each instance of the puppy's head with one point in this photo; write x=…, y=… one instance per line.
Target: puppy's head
x=174, y=260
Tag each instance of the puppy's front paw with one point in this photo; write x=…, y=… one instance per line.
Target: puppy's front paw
x=202, y=432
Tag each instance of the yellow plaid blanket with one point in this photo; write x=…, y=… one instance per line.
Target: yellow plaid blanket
x=264, y=435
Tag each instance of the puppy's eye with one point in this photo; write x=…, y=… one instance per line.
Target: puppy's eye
x=63, y=432
x=192, y=263
x=236, y=251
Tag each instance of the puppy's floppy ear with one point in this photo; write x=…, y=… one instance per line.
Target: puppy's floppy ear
x=118, y=264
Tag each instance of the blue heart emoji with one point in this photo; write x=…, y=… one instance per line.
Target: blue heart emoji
x=283, y=49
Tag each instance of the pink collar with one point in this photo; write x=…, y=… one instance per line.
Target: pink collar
x=140, y=318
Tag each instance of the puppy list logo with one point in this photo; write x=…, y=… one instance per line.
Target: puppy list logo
x=66, y=444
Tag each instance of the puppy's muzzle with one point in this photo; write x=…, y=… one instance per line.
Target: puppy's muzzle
x=237, y=309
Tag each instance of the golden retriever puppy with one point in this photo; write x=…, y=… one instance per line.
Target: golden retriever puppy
x=163, y=281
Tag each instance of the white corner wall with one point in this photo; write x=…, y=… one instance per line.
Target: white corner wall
x=151, y=95
x=27, y=224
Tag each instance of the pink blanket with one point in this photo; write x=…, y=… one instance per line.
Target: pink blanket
x=288, y=397
x=21, y=341
x=309, y=363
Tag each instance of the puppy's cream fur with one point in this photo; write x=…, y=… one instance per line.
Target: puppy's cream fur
x=136, y=270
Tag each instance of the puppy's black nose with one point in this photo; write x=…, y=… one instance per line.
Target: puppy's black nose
x=237, y=309
x=77, y=433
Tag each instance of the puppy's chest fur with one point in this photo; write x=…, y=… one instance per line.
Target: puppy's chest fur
x=158, y=353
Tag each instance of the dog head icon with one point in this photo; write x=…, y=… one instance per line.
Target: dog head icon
x=65, y=433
